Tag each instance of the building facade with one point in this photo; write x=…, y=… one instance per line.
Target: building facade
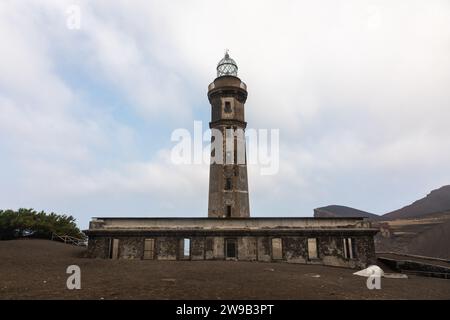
x=229, y=233
x=345, y=242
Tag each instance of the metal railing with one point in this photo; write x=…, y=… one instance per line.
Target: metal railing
x=70, y=240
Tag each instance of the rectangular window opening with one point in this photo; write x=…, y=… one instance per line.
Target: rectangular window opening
x=186, y=248
x=227, y=108
x=349, y=248
x=235, y=160
x=149, y=249
x=277, y=249
x=312, y=248
x=228, y=184
x=353, y=246
x=114, y=249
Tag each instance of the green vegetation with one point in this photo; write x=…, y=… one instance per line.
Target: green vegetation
x=30, y=223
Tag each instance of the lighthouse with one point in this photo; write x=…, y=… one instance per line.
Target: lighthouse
x=228, y=180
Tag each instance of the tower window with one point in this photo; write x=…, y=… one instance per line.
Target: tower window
x=227, y=108
x=228, y=184
x=228, y=212
x=235, y=150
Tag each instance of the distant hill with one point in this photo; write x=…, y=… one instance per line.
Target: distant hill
x=426, y=235
x=432, y=242
x=436, y=201
x=421, y=228
x=342, y=211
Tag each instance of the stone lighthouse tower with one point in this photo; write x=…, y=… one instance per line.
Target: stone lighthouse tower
x=228, y=184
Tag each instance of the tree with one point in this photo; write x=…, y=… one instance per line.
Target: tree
x=30, y=223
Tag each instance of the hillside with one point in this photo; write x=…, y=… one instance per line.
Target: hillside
x=436, y=201
x=427, y=235
x=342, y=211
x=433, y=242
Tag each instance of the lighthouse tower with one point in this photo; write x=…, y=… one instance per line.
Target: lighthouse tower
x=228, y=183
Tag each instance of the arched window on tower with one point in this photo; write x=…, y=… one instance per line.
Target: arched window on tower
x=228, y=184
x=228, y=212
x=227, y=108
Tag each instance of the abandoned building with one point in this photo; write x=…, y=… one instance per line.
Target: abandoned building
x=229, y=233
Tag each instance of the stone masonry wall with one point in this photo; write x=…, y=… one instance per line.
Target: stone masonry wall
x=167, y=248
x=330, y=249
x=98, y=248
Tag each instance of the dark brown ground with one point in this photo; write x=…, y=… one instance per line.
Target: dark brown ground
x=36, y=269
x=396, y=256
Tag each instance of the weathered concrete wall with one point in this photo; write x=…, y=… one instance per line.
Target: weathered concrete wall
x=224, y=224
x=247, y=248
x=227, y=96
x=219, y=248
x=215, y=198
x=264, y=249
x=365, y=247
x=295, y=249
x=331, y=252
x=98, y=247
x=209, y=248
x=131, y=248
x=197, y=248
x=167, y=248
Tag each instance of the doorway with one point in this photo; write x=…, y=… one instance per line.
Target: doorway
x=114, y=249
x=230, y=249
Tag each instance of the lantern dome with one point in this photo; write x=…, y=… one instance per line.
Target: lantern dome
x=227, y=66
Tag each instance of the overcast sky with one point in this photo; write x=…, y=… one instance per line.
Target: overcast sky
x=360, y=91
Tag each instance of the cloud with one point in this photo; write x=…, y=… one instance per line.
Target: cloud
x=358, y=90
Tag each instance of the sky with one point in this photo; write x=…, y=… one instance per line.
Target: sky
x=359, y=90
